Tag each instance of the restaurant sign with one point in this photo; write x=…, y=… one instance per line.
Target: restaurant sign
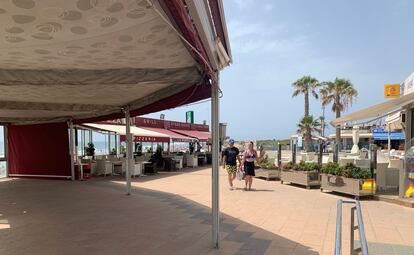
x=392, y=90
x=156, y=123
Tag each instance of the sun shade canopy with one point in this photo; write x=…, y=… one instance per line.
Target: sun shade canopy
x=175, y=137
x=140, y=134
x=376, y=111
x=83, y=59
x=199, y=135
x=382, y=135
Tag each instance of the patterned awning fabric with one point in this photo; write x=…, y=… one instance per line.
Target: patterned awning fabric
x=86, y=58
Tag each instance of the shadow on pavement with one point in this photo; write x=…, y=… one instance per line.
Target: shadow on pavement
x=96, y=217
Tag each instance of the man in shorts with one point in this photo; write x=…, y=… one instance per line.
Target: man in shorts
x=230, y=158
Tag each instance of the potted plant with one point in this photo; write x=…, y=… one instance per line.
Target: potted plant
x=90, y=150
x=122, y=150
x=268, y=171
x=348, y=179
x=304, y=173
x=113, y=151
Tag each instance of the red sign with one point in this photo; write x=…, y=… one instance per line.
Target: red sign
x=155, y=123
x=146, y=139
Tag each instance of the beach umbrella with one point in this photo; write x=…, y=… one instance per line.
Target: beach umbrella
x=355, y=140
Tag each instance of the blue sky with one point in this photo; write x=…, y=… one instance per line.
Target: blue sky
x=370, y=42
x=275, y=42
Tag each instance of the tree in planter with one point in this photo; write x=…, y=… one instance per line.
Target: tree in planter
x=341, y=94
x=306, y=85
x=113, y=151
x=263, y=157
x=122, y=150
x=307, y=126
x=90, y=149
x=191, y=147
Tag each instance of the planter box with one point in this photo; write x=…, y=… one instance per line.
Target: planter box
x=344, y=185
x=268, y=173
x=305, y=178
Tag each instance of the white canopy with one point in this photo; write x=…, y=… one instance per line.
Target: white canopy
x=376, y=111
x=63, y=59
x=121, y=129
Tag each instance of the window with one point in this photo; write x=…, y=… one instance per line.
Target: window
x=3, y=162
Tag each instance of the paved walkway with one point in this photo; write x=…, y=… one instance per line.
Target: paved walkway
x=169, y=214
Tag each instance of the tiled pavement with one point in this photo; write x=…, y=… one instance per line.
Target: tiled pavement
x=169, y=214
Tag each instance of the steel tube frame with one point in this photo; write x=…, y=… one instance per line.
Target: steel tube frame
x=128, y=150
x=360, y=227
x=71, y=149
x=215, y=165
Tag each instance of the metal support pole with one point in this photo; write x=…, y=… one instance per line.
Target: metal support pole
x=6, y=147
x=336, y=153
x=109, y=143
x=294, y=153
x=128, y=151
x=215, y=164
x=279, y=155
x=71, y=149
x=320, y=154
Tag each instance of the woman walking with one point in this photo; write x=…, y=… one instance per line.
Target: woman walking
x=249, y=156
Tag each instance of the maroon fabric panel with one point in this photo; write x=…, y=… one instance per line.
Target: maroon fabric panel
x=215, y=13
x=39, y=149
x=193, y=94
x=179, y=14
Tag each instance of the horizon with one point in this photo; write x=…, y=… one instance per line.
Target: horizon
x=320, y=39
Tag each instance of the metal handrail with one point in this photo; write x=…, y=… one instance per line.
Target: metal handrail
x=360, y=227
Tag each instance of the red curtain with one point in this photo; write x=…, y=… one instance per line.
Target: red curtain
x=41, y=149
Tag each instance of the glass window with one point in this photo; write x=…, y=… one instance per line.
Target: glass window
x=1, y=142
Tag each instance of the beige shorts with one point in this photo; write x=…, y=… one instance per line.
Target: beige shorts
x=231, y=169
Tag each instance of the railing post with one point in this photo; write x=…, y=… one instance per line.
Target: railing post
x=335, y=152
x=352, y=237
x=279, y=155
x=338, y=234
x=294, y=153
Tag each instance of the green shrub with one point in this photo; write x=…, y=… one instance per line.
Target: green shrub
x=307, y=166
x=348, y=171
x=290, y=165
x=332, y=168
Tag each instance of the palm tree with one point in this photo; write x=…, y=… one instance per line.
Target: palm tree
x=341, y=94
x=307, y=126
x=306, y=85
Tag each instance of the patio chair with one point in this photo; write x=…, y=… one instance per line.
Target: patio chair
x=345, y=161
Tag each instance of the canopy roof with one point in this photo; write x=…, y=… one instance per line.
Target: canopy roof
x=175, y=137
x=383, y=135
x=376, y=111
x=140, y=134
x=85, y=59
x=199, y=135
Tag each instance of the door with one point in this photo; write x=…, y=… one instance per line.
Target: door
x=3, y=162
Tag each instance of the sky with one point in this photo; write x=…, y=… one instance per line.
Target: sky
x=276, y=42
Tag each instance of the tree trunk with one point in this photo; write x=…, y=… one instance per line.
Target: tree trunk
x=338, y=130
x=306, y=103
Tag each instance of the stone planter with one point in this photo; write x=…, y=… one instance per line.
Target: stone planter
x=344, y=185
x=268, y=173
x=305, y=178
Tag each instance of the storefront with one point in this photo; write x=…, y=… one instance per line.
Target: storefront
x=403, y=108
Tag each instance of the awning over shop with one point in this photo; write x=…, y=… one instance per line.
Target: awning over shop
x=175, y=137
x=140, y=134
x=199, y=135
x=376, y=111
x=382, y=135
x=349, y=135
x=86, y=60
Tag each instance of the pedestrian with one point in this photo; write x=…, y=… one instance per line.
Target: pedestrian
x=249, y=156
x=230, y=158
